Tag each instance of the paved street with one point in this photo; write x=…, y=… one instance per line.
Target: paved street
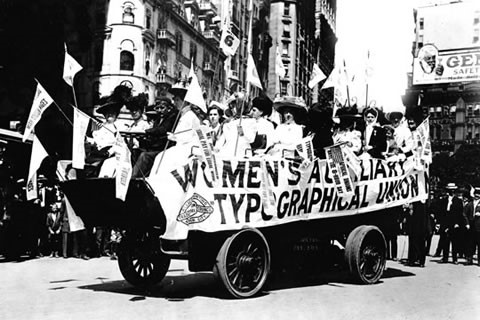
x=57, y=288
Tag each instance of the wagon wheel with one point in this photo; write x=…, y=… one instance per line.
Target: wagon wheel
x=243, y=263
x=140, y=259
x=365, y=254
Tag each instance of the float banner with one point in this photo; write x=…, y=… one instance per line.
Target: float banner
x=191, y=201
x=337, y=165
x=448, y=66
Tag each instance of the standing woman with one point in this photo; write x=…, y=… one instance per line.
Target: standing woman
x=375, y=139
x=346, y=130
x=265, y=131
x=215, y=121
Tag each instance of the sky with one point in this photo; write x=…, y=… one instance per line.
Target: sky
x=386, y=29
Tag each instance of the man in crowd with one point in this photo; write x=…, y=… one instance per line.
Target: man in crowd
x=472, y=213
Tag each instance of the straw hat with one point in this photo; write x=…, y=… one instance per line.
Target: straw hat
x=451, y=186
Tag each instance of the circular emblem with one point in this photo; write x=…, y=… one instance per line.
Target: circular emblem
x=195, y=210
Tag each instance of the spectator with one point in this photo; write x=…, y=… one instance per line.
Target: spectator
x=472, y=213
x=54, y=225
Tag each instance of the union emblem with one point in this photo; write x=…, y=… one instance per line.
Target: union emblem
x=195, y=210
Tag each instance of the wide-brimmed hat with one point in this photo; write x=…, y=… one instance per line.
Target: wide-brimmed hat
x=394, y=115
x=106, y=105
x=348, y=113
x=370, y=110
x=263, y=104
x=296, y=103
x=451, y=186
x=138, y=102
x=114, y=102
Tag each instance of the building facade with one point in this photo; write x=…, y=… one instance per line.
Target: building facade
x=445, y=81
x=149, y=45
x=304, y=32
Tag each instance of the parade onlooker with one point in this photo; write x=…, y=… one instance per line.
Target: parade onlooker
x=54, y=225
x=451, y=219
x=65, y=228
x=472, y=213
x=417, y=230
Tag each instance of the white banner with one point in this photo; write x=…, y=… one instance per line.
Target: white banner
x=41, y=101
x=38, y=154
x=124, y=168
x=191, y=201
x=229, y=42
x=80, y=125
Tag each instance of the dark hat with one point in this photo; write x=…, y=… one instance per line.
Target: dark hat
x=370, y=110
x=113, y=103
x=263, y=104
x=394, y=115
x=451, y=186
x=296, y=103
x=476, y=190
x=348, y=112
x=179, y=89
x=138, y=102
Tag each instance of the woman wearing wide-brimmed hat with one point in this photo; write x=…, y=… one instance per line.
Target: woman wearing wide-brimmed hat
x=346, y=131
x=289, y=133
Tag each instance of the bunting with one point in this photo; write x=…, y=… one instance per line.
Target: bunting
x=70, y=68
x=38, y=154
x=252, y=74
x=194, y=94
x=41, y=102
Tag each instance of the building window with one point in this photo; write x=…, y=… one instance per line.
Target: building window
x=193, y=52
x=127, y=60
x=285, y=48
x=469, y=110
x=283, y=88
x=128, y=16
x=286, y=30
x=179, y=41
x=148, y=19
x=286, y=9
x=420, y=23
x=476, y=110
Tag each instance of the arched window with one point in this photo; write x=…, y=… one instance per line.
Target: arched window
x=127, y=60
x=128, y=16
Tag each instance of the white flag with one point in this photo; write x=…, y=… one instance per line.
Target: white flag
x=124, y=168
x=252, y=74
x=80, y=124
x=41, y=101
x=317, y=76
x=70, y=68
x=229, y=42
x=194, y=94
x=279, y=66
x=36, y=158
x=74, y=222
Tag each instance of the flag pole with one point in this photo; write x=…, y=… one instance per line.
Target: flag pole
x=366, y=79
x=346, y=75
x=249, y=52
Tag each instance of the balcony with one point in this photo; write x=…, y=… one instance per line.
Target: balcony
x=209, y=68
x=166, y=36
x=148, y=35
x=164, y=80
x=207, y=8
x=212, y=36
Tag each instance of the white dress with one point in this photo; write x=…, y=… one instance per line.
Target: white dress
x=286, y=137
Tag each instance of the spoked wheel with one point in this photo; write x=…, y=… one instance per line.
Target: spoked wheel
x=365, y=254
x=140, y=259
x=243, y=263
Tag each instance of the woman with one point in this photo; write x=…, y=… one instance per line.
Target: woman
x=346, y=130
x=375, y=140
x=288, y=133
x=215, y=121
x=265, y=131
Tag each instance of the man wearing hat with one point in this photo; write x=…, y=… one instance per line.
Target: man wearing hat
x=451, y=219
x=472, y=213
x=164, y=119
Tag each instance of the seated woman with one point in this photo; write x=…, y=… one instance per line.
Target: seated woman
x=288, y=133
x=139, y=124
x=375, y=140
x=402, y=134
x=346, y=130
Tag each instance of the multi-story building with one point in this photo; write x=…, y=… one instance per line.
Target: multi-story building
x=149, y=45
x=445, y=81
x=304, y=32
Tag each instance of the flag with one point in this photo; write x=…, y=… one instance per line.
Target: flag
x=80, y=125
x=41, y=101
x=252, y=74
x=36, y=158
x=317, y=76
x=124, y=168
x=74, y=222
x=194, y=94
x=331, y=80
x=229, y=42
x=279, y=66
x=70, y=68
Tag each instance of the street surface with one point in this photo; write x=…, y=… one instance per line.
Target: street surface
x=57, y=288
